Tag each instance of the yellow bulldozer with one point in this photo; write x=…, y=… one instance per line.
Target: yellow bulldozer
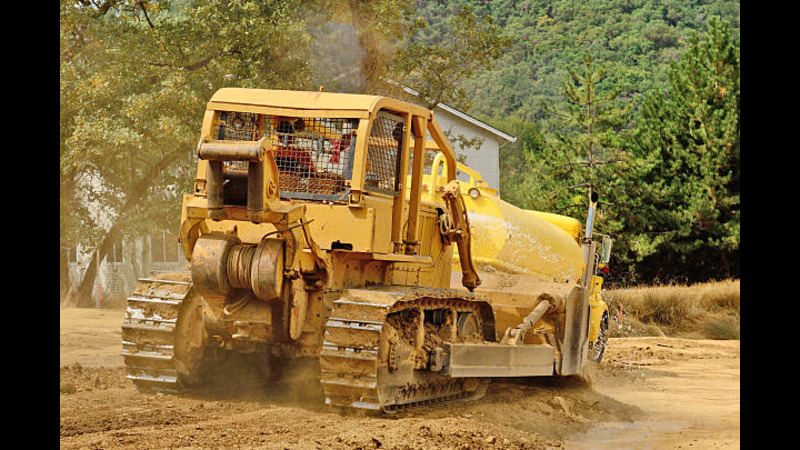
x=314, y=234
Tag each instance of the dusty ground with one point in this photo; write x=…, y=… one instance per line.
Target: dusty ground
x=649, y=393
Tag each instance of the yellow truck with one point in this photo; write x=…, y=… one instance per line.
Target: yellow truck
x=516, y=247
x=312, y=235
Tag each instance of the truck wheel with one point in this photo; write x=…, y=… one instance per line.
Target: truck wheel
x=599, y=346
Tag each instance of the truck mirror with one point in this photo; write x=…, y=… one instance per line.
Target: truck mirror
x=605, y=251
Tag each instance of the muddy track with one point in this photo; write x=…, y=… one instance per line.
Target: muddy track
x=648, y=393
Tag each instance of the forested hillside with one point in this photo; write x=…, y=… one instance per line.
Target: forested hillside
x=636, y=39
x=686, y=227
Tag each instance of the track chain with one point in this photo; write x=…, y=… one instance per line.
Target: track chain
x=349, y=355
x=149, y=333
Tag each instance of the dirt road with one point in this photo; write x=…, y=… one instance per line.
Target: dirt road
x=648, y=393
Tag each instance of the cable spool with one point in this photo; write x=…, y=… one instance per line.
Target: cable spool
x=240, y=259
x=266, y=270
x=222, y=263
x=209, y=264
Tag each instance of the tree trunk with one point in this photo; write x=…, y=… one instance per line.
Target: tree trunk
x=67, y=184
x=137, y=194
x=63, y=277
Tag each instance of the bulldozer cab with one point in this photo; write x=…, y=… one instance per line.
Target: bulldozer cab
x=267, y=155
x=326, y=146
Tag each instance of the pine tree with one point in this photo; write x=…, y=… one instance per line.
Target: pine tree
x=683, y=199
x=587, y=138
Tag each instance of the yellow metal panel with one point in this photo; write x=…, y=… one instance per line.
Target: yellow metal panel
x=295, y=99
x=525, y=241
x=359, y=157
x=382, y=209
x=568, y=224
x=332, y=103
x=288, y=112
x=597, y=307
x=327, y=225
x=428, y=222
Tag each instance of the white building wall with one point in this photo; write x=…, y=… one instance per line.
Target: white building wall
x=486, y=159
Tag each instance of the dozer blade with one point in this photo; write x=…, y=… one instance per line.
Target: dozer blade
x=497, y=360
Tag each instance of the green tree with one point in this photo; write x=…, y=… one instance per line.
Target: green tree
x=683, y=189
x=135, y=77
x=635, y=39
x=586, y=138
x=436, y=67
x=524, y=182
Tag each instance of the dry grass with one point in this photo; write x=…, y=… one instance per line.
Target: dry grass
x=708, y=310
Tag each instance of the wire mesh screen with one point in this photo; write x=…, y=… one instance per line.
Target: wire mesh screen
x=314, y=155
x=383, y=164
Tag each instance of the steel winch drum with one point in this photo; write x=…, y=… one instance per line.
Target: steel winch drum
x=221, y=263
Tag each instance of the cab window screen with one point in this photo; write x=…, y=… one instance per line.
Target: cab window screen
x=314, y=155
x=383, y=154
